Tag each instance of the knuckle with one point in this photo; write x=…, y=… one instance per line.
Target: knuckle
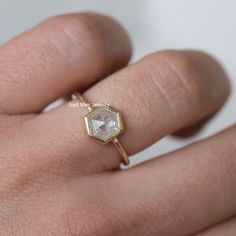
x=178, y=77
x=84, y=222
x=71, y=224
x=184, y=71
x=76, y=28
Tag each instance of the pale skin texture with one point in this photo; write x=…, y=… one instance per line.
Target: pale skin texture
x=54, y=180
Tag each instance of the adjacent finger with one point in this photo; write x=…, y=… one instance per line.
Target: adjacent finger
x=158, y=95
x=227, y=228
x=60, y=55
x=180, y=193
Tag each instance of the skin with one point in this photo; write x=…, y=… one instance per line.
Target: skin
x=54, y=180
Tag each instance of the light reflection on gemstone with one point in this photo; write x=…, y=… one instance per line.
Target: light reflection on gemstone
x=104, y=123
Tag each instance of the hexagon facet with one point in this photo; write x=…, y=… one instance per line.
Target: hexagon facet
x=104, y=123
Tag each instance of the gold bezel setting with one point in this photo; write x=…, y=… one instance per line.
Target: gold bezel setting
x=113, y=136
x=119, y=120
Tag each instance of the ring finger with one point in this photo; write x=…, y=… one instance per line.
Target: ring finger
x=162, y=93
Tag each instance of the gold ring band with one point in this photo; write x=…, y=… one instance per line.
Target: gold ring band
x=105, y=124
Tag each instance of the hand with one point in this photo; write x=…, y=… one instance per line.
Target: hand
x=54, y=180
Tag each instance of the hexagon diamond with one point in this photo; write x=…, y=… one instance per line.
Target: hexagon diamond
x=104, y=123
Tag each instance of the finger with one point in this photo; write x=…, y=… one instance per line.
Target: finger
x=160, y=94
x=180, y=193
x=227, y=228
x=60, y=55
x=190, y=131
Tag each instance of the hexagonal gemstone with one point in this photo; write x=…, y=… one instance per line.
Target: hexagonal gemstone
x=103, y=123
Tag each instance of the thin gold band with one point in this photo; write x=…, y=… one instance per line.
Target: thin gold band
x=116, y=142
x=122, y=151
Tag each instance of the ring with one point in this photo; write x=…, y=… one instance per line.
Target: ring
x=105, y=124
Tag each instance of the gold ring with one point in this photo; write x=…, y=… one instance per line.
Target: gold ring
x=105, y=124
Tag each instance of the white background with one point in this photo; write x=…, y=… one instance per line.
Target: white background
x=154, y=25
